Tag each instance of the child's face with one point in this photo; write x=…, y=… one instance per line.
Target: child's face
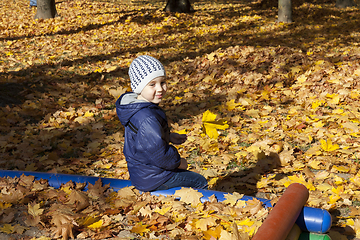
x=154, y=90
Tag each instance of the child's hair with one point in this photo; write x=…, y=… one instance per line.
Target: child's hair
x=142, y=70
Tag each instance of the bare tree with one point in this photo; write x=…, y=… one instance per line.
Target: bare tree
x=284, y=11
x=46, y=9
x=344, y=3
x=181, y=6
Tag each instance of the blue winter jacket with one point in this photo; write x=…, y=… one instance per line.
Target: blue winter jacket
x=150, y=159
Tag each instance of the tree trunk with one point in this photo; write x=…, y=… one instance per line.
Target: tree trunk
x=46, y=9
x=285, y=11
x=180, y=6
x=344, y=3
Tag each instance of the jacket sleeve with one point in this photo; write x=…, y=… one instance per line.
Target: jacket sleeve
x=152, y=143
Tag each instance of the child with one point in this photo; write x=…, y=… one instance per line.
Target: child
x=152, y=162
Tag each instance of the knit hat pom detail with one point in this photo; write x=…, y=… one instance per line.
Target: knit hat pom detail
x=144, y=69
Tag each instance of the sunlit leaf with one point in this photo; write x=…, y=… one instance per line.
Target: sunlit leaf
x=96, y=225
x=327, y=145
x=211, y=126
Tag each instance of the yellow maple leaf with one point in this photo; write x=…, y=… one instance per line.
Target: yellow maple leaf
x=88, y=114
x=34, y=210
x=350, y=222
x=225, y=235
x=319, y=62
x=253, y=149
x=302, y=78
x=241, y=203
x=333, y=198
x=96, y=225
x=213, y=181
x=4, y=205
x=139, y=228
x=315, y=164
x=209, y=145
x=295, y=69
x=183, y=131
x=210, y=125
x=189, y=195
x=66, y=189
x=323, y=187
x=265, y=181
x=300, y=179
x=7, y=228
x=317, y=104
x=318, y=124
x=338, y=111
x=343, y=169
x=338, y=190
x=231, y=105
x=211, y=56
x=204, y=223
x=339, y=180
x=328, y=146
x=232, y=198
x=213, y=233
x=88, y=220
x=356, y=179
x=246, y=222
x=334, y=98
x=163, y=210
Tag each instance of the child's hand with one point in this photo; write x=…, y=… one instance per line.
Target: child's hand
x=177, y=138
x=183, y=164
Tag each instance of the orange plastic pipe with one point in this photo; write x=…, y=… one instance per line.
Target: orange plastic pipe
x=283, y=216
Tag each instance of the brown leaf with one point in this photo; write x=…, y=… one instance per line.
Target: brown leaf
x=97, y=190
x=79, y=199
x=61, y=218
x=7, y=215
x=34, y=209
x=80, y=186
x=31, y=220
x=123, y=203
x=111, y=211
x=64, y=231
x=252, y=206
x=26, y=181
x=12, y=196
x=51, y=194
x=102, y=235
x=39, y=186
x=69, y=184
x=308, y=173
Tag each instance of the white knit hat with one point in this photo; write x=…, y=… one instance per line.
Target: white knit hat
x=142, y=70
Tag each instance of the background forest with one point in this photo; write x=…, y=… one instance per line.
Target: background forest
x=264, y=105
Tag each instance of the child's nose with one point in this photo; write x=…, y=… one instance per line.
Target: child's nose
x=159, y=88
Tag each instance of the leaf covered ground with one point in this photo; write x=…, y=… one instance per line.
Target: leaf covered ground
x=264, y=105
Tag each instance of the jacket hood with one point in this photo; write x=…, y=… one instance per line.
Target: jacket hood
x=127, y=105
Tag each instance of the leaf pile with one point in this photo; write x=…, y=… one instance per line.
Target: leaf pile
x=264, y=104
x=99, y=213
